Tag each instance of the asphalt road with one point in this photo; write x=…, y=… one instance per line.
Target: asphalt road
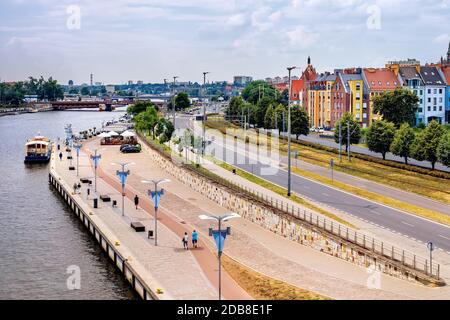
x=386, y=217
x=389, y=156
x=406, y=224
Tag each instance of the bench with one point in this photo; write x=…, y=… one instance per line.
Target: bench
x=105, y=198
x=138, y=227
x=85, y=180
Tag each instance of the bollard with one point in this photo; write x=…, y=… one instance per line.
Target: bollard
x=95, y=203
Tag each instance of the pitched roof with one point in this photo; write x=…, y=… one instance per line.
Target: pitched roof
x=296, y=87
x=446, y=73
x=409, y=73
x=381, y=79
x=431, y=76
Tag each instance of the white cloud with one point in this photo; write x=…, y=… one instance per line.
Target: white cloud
x=442, y=39
x=265, y=18
x=301, y=38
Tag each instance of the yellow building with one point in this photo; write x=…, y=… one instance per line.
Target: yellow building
x=319, y=102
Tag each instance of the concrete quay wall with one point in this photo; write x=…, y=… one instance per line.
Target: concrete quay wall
x=110, y=246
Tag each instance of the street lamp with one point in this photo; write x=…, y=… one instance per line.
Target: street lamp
x=123, y=179
x=156, y=198
x=204, y=115
x=289, y=131
x=96, y=159
x=77, y=147
x=219, y=237
x=173, y=100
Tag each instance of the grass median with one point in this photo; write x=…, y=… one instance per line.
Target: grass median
x=262, y=287
x=279, y=190
x=422, y=184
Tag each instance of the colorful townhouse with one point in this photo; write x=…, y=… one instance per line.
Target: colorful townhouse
x=340, y=99
x=445, y=71
x=378, y=81
x=435, y=88
x=320, y=100
x=410, y=78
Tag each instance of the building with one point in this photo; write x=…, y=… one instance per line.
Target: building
x=140, y=82
x=410, y=78
x=435, y=88
x=296, y=92
x=320, y=97
x=242, y=80
x=445, y=73
x=340, y=99
x=359, y=105
x=130, y=82
x=377, y=82
x=110, y=88
x=70, y=83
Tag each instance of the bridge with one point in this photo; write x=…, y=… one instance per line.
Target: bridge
x=106, y=105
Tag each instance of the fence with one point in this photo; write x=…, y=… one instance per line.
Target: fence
x=387, y=250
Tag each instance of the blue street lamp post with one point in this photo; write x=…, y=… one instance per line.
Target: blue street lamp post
x=219, y=237
x=77, y=147
x=96, y=158
x=156, y=198
x=123, y=179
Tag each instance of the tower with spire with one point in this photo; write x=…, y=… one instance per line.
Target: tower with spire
x=448, y=53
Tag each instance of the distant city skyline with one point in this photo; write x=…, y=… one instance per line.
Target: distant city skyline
x=150, y=40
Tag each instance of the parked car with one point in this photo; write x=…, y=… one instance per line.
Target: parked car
x=131, y=149
x=124, y=146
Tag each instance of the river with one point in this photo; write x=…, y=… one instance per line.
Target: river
x=39, y=236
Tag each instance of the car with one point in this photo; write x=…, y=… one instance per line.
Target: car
x=124, y=146
x=131, y=149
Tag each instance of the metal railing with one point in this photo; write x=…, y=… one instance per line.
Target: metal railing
x=384, y=249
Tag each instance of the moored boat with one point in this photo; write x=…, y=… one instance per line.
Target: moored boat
x=38, y=149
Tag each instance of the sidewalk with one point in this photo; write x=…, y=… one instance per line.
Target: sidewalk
x=167, y=266
x=263, y=250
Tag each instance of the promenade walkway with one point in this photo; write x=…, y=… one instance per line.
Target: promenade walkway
x=167, y=266
x=259, y=248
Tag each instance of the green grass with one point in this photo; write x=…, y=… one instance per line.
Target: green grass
x=279, y=190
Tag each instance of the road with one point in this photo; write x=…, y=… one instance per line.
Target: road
x=378, y=214
x=389, y=156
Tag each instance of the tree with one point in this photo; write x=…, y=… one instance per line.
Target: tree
x=182, y=101
x=355, y=130
x=398, y=106
x=269, y=118
x=164, y=130
x=284, y=97
x=261, y=109
x=235, y=107
x=139, y=107
x=443, y=149
x=299, y=121
x=85, y=91
x=147, y=120
x=256, y=90
x=403, y=139
x=380, y=136
x=426, y=143
x=280, y=113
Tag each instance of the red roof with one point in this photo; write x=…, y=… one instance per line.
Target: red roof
x=446, y=72
x=381, y=79
x=296, y=87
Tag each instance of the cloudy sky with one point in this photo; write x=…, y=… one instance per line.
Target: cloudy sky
x=149, y=40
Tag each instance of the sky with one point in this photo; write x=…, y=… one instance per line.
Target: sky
x=149, y=40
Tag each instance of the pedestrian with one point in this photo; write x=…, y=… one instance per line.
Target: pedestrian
x=75, y=186
x=79, y=187
x=136, y=201
x=60, y=156
x=194, y=238
x=185, y=241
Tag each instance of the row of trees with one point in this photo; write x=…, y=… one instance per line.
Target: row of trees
x=262, y=106
x=431, y=144
x=147, y=119
x=14, y=93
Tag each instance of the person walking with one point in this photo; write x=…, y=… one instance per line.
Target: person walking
x=136, y=201
x=185, y=241
x=60, y=156
x=194, y=239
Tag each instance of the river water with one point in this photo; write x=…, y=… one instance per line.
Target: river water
x=39, y=236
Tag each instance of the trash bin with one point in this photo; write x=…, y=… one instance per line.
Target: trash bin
x=150, y=234
x=95, y=203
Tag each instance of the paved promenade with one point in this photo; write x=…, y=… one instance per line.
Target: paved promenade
x=262, y=250
x=167, y=266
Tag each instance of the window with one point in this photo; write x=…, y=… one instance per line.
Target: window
x=387, y=83
x=440, y=108
x=358, y=106
x=421, y=92
x=435, y=91
x=429, y=99
x=429, y=91
x=434, y=101
x=420, y=110
x=440, y=99
x=358, y=86
x=434, y=108
x=364, y=105
x=440, y=91
x=429, y=108
x=364, y=115
x=357, y=116
x=379, y=83
x=415, y=92
x=421, y=101
x=358, y=96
